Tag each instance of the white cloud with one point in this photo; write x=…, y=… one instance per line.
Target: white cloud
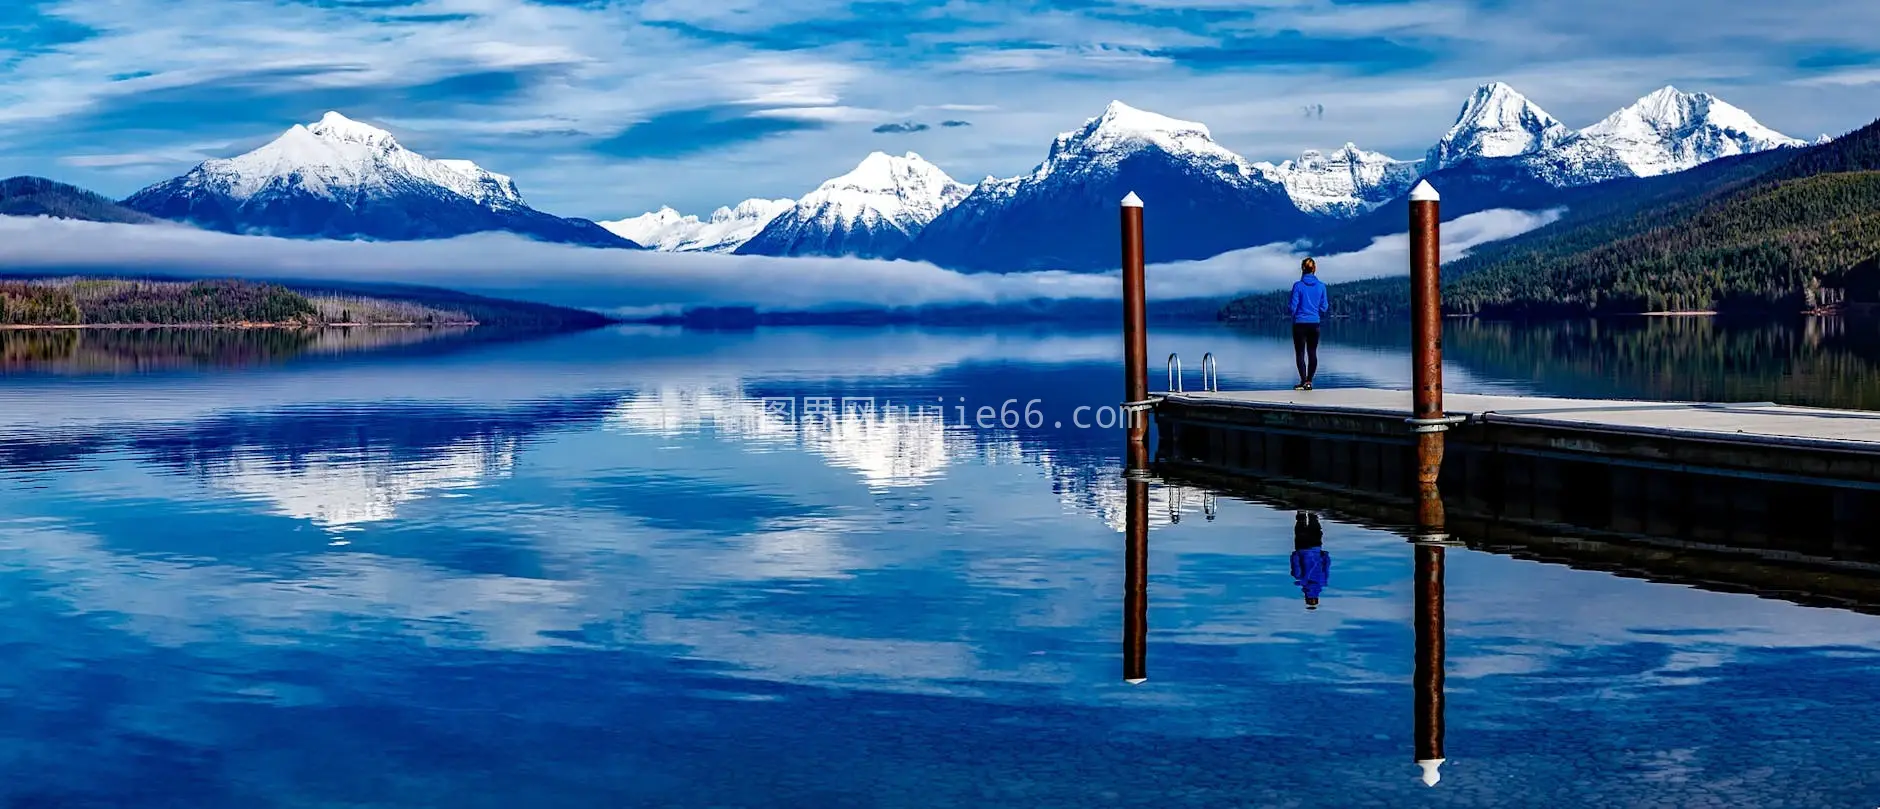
x=105, y=161
x=1096, y=59
x=1845, y=78
x=963, y=107
x=646, y=281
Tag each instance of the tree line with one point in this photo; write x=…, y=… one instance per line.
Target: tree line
x=76, y=302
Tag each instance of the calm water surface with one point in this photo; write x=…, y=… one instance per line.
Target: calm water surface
x=605, y=570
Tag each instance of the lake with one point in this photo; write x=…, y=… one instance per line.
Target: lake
x=653, y=567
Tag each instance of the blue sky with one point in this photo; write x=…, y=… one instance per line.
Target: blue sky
x=607, y=109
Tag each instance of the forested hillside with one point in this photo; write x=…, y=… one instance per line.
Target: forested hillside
x=70, y=302
x=97, y=302
x=38, y=196
x=1764, y=251
x=1761, y=232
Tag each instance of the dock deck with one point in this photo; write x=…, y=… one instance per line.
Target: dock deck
x=1750, y=473
x=1749, y=423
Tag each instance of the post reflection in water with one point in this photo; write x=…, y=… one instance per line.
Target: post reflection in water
x=1429, y=542
x=1136, y=567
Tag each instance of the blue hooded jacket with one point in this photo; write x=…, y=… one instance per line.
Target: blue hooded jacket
x=1309, y=301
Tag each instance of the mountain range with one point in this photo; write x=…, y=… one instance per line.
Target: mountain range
x=343, y=179
x=1502, y=151
x=1761, y=232
x=722, y=232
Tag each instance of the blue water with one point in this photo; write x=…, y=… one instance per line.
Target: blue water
x=594, y=571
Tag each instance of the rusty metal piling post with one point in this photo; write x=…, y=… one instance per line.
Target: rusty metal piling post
x=1430, y=423
x=1135, y=323
x=1426, y=334
x=1136, y=405
x=1431, y=538
x=1136, y=563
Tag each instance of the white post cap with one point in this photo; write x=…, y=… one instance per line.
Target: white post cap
x=1430, y=775
x=1132, y=201
x=1424, y=192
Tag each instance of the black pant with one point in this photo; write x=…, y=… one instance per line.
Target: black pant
x=1306, y=349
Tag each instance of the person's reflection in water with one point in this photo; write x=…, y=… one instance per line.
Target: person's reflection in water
x=1311, y=565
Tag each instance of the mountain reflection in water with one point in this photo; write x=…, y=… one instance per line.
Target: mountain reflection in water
x=597, y=570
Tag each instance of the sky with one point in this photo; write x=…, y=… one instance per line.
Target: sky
x=609, y=108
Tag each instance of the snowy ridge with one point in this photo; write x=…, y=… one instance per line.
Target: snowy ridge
x=872, y=211
x=342, y=179
x=1669, y=130
x=337, y=156
x=1347, y=182
x=1055, y=216
x=659, y=230
x=1496, y=121
x=725, y=230
x=906, y=190
x=1104, y=142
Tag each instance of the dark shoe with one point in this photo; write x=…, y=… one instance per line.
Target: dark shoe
x=1301, y=386
x=1307, y=387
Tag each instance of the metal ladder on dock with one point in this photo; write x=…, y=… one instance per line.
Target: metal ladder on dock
x=1210, y=381
x=1210, y=374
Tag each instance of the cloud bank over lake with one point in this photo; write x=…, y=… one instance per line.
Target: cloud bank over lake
x=633, y=282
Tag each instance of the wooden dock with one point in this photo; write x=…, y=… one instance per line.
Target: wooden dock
x=1750, y=424
x=1745, y=472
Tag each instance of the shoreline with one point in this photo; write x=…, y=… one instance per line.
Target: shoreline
x=235, y=326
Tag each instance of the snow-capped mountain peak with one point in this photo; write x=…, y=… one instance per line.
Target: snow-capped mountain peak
x=1668, y=106
x=337, y=157
x=341, y=178
x=1496, y=121
x=336, y=127
x=1120, y=120
x=872, y=210
x=904, y=187
x=663, y=229
x=1670, y=130
x=908, y=176
x=1122, y=130
x=726, y=228
x=1052, y=217
x=1668, y=110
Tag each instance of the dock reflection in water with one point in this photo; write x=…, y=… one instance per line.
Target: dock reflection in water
x=594, y=572
x=1429, y=542
x=1432, y=536
x=1136, y=569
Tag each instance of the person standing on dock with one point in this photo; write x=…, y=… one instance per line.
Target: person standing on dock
x=1311, y=565
x=1309, y=305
